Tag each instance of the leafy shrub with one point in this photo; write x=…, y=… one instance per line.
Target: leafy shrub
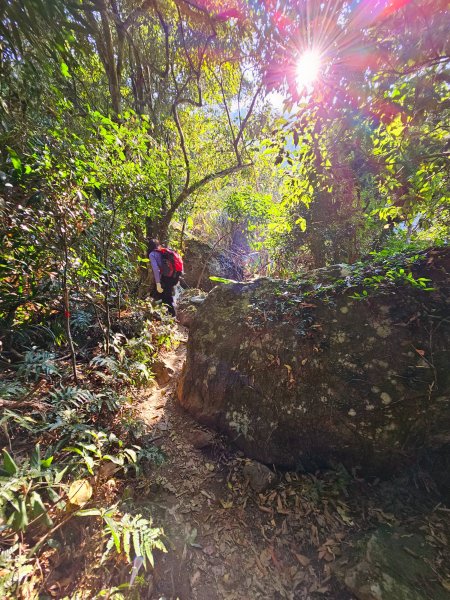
x=152, y=454
x=83, y=399
x=10, y=390
x=14, y=569
x=26, y=488
x=81, y=321
x=38, y=363
x=132, y=534
x=103, y=447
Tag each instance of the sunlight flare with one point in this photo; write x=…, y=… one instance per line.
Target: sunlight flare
x=307, y=69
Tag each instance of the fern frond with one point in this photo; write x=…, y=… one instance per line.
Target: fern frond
x=38, y=363
x=11, y=390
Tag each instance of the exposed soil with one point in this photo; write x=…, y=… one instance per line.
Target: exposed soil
x=225, y=541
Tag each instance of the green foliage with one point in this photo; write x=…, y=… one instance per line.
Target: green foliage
x=134, y=535
x=38, y=363
x=27, y=489
x=11, y=389
x=131, y=534
x=15, y=567
x=391, y=271
x=103, y=447
x=91, y=163
x=23, y=421
x=84, y=400
x=222, y=280
x=81, y=321
x=152, y=454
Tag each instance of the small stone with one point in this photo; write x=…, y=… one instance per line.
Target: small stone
x=258, y=475
x=385, y=398
x=163, y=373
x=200, y=439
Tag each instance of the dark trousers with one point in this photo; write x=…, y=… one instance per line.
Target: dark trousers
x=167, y=294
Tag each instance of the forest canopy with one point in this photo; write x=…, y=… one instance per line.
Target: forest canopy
x=337, y=110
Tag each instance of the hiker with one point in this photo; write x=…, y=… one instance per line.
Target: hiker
x=167, y=267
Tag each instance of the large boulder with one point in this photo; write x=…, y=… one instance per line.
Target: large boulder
x=302, y=374
x=202, y=261
x=187, y=303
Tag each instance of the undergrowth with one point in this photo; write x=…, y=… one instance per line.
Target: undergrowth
x=70, y=450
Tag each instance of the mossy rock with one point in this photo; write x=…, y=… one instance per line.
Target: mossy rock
x=302, y=374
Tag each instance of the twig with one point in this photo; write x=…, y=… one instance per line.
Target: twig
x=49, y=533
x=21, y=404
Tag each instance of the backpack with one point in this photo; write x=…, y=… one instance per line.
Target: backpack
x=172, y=264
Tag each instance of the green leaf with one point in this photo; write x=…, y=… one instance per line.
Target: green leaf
x=148, y=552
x=73, y=449
x=89, y=464
x=88, y=512
x=38, y=508
x=126, y=543
x=222, y=280
x=131, y=454
x=65, y=70
x=8, y=463
x=137, y=542
x=16, y=162
x=53, y=496
x=22, y=520
x=46, y=462
x=113, y=531
x=117, y=460
x=35, y=460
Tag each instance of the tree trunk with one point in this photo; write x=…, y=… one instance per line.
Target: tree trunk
x=66, y=302
x=158, y=228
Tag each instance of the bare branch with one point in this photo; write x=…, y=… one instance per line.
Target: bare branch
x=249, y=113
x=230, y=122
x=212, y=176
x=183, y=147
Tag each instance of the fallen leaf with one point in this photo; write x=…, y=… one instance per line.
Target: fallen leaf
x=205, y=493
x=325, y=554
x=323, y=590
x=80, y=492
x=265, y=557
x=302, y=559
x=107, y=470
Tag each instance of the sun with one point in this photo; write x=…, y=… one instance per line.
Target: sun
x=307, y=69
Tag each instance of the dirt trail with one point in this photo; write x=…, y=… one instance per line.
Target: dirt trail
x=224, y=540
